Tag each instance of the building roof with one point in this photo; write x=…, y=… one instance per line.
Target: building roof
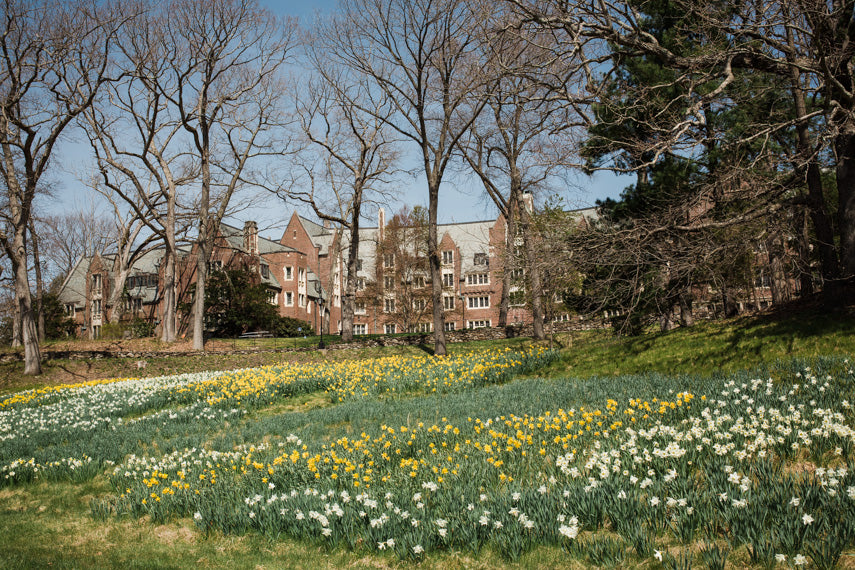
x=234, y=238
x=73, y=289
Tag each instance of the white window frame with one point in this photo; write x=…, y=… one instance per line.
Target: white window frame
x=360, y=328
x=448, y=257
x=478, y=279
x=289, y=299
x=390, y=328
x=448, y=279
x=288, y=273
x=479, y=324
x=478, y=302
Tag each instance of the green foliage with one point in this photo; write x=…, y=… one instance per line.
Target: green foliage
x=236, y=302
x=57, y=324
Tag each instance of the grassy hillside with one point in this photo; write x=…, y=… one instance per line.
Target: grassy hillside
x=209, y=470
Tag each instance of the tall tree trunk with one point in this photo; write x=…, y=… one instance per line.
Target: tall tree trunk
x=350, y=282
x=829, y=267
x=37, y=264
x=117, y=289
x=17, y=335
x=532, y=272
x=510, y=236
x=29, y=334
x=845, y=150
x=439, y=348
x=802, y=231
x=202, y=248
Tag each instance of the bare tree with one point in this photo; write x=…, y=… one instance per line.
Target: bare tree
x=223, y=58
x=55, y=58
x=518, y=145
x=402, y=269
x=423, y=55
x=348, y=160
x=66, y=238
x=142, y=159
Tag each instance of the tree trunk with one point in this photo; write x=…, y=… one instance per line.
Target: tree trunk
x=802, y=230
x=167, y=332
x=439, y=348
x=829, y=267
x=29, y=334
x=117, y=289
x=845, y=150
x=199, y=295
x=350, y=283
x=686, y=317
x=202, y=245
x=510, y=236
x=532, y=272
x=37, y=264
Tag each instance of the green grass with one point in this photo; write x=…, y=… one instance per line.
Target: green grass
x=708, y=347
x=50, y=524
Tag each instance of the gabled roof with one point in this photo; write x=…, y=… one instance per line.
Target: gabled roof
x=73, y=289
x=234, y=238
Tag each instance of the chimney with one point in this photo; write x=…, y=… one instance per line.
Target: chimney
x=381, y=223
x=250, y=238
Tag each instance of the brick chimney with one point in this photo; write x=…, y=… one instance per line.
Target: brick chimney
x=381, y=223
x=250, y=237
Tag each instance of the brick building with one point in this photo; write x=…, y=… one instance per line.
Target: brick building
x=304, y=273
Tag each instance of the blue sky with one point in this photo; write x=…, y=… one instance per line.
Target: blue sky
x=461, y=199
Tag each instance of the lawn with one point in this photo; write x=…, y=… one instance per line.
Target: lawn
x=662, y=451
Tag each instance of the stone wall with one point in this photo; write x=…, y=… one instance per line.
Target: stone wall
x=494, y=333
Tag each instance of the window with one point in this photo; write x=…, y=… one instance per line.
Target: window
x=448, y=302
x=96, y=283
x=448, y=279
x=359, y=266
x=478, y=279
x=359, y=308
x=419, y=281
x=301, y=275
x=481, y=259
x=482, y=324
x=447, y=257
x=478, y=302
x=272, y=298
x=448, y=327
x=389, y=261
x=516, y=298
x=359, y=329
x=419, y=304
x=96, y=332
x=69, y=309
x=289, y=273
x=289, y=299
x=423, y=327
x=301, y=300
x=517, y=274
x=265, y=271
x=216, y=265
x=389, y=328
x=388, y=305
x=96, y=309
x=360, y=283
x=388, y=282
